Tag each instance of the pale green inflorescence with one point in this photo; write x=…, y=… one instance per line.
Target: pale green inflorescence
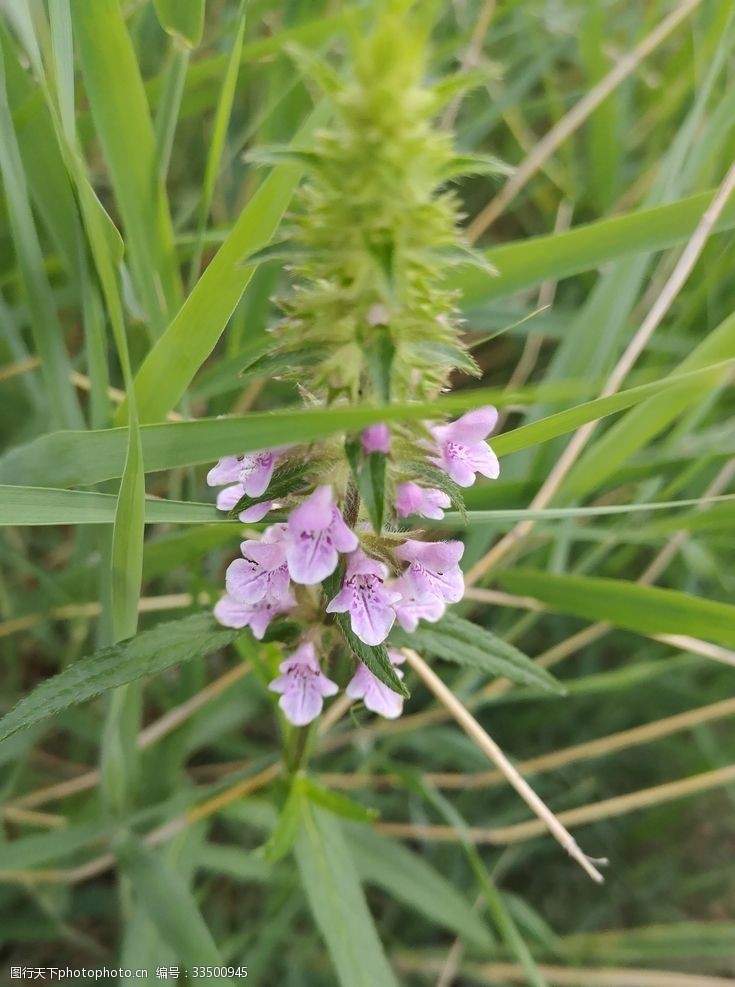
x=369, y=317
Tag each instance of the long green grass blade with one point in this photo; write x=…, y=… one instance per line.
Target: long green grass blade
x=559, y=255
x=123, y=122
x=332, y=889
x=70, y=458
x=174, y=912
x=47, y=331
x=183, y=19
x=646, y=609
x=170, y=366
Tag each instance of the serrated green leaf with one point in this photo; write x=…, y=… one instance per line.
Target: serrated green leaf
x=465, y=643
x=286, y=363
x=145, y=654
x=432, y=476
x=448, y=355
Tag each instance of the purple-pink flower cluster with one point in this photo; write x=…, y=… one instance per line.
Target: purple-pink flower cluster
x=306, y=550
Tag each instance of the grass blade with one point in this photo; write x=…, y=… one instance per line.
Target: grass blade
x=85, y=458
x=47, y=331
x=122, y=118
x=332, y=888
x=170, y=366
x=646, y=609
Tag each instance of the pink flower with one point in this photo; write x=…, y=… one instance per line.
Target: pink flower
x=426, y=501
x=316, y=534
x=433, y=569
x=410, y=610
x=257, y=512
x=230, y=496
x=366, y=599
x=256, y=616
x=375, y=694
x=461, y=449
x=252, y=470
x=249, y=475
x=376, y=438
x=302, y=685
x=262, y=571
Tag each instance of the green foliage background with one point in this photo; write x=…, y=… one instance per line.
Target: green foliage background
x=145, y=822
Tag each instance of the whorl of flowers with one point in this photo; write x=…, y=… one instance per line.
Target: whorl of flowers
x=367, y=321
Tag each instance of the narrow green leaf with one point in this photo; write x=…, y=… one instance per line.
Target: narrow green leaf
x=494, y=900
x=692, y=383
x=43, y=165
x=174, y=360
x=172, y=909
x=559, y=255
x=333, y=891
x=47, y=331
x=282, y=838
x=63, y=53
x=336, y=802
x=167, y=115
x=605, y=456
x=570, y=513
x=313, y=32
x=465, y=643
x=371, y=484
x=183, y=19
x=122, y=119
x=217, y=140
x=407, y=877
x=147, y=653
x=84, y=458
x=646, y=609
x=44, y=505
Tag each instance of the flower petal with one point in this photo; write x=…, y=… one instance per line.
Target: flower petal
x=251, y=515
x=231, y=613
x=227, y=498
x=311, y=559
x=474, y=426
x=315, y=514
x=227, y=470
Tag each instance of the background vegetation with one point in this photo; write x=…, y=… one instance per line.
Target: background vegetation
x=133, y=817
